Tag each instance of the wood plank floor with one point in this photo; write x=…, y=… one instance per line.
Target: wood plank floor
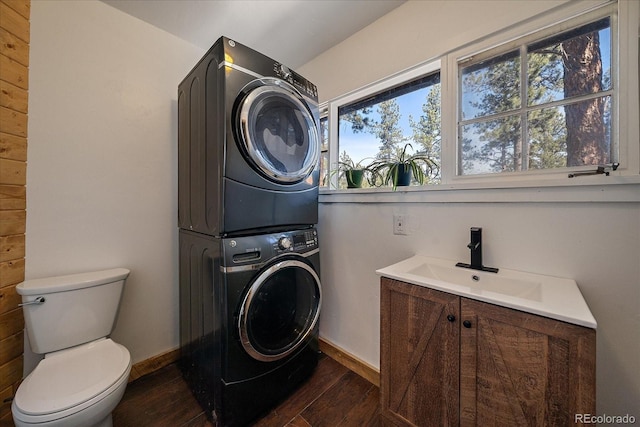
x=333, y=396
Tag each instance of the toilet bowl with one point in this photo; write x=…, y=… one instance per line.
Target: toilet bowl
x=84, y=373
x=74, y=387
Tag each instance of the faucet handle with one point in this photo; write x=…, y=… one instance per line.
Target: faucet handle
x=473, y=246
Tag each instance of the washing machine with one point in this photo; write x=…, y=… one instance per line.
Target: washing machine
x=248, y=144
x=249, y=309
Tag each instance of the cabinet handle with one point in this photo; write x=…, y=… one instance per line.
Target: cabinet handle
x=466, y=323
x=451, y=318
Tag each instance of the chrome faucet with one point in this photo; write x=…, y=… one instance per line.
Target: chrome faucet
x=476, y=252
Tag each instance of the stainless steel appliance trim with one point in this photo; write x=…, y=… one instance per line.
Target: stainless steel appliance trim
x=239, y=68
x=242, y=318
x=272, y=85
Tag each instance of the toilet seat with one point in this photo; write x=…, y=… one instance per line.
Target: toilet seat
x=70, y=380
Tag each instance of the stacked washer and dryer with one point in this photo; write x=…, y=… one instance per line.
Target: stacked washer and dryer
x=250, y=293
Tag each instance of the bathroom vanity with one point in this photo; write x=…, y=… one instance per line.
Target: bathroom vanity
x=461, y=347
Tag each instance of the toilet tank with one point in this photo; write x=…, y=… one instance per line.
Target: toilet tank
x=77, y=308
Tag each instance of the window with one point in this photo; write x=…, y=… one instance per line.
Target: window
x=541, y=105
x=324, y=146
x=380, y=126
x=545, y=99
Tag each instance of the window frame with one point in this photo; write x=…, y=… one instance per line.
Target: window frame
x=535, y=30
x=379, y=86
x=325, y=145
x=625, y=129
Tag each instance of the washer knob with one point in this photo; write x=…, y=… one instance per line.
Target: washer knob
x=284, y=243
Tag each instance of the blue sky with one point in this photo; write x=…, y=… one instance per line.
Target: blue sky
x=364, y=144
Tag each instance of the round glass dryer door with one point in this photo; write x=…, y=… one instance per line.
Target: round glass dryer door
x=280, y=310
x=278, y=131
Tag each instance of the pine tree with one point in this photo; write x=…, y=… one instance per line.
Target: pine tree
x=586, y=142
x=570, y=135
x=427, y=130
x=388, y=130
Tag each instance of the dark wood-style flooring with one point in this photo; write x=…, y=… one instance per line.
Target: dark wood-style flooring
x=333, y=396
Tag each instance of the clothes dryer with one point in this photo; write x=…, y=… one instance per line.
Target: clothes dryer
x=248, y=144
x=249, y=310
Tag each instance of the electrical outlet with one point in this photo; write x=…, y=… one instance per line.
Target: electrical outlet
x=400, y=224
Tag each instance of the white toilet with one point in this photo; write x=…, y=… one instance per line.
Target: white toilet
x=84, y=373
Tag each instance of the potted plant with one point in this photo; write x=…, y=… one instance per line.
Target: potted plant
x=354, y=172
x=401, y=167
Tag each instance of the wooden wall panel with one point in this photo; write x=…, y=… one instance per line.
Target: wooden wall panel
x=14, y=72
x=13, y=172
x=5, y=405
x=14, y=96
x=12, y=222
x=14, y=48
x=12, y=247
x=13, y=197
x=11, y=272
x=23, y=7
x=13, y=122
x=13, y=147
x=12, y=21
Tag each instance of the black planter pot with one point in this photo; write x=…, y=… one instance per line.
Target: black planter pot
x=402, y=175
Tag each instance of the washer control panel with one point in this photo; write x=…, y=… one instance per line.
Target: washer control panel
x=257, y=249
x=296, y=241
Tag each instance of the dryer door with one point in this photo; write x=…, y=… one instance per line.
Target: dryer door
x=280, y=310
x=277, y=131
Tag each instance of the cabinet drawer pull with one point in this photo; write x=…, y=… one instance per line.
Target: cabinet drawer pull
x=451, y=318
x=466, y=323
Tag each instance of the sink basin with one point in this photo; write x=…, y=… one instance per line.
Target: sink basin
x=553, y=297
x=479, y=282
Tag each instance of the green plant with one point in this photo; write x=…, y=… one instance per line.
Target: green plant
x=419, y=165
x=354, y=172
x=348, y=164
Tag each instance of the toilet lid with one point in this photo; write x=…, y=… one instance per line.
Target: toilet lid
x=70, y=377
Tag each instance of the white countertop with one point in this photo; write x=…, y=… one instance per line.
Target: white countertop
x=552, y=297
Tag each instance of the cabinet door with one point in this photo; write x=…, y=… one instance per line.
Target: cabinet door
x=519, y=369
x=419, y=360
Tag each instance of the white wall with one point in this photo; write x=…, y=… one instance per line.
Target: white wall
x=411, y=34
x=101, y=189
x=102, y=168
x=597, y=244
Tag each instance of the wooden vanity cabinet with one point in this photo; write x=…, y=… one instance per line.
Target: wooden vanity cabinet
x=419, y=355
x=447, y=360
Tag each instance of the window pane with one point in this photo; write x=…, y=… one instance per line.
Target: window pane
x=324, y=134
x=378, y=127
x=570, y=64
x=324, y=151
x=567, y=111
x=491, y=146
x=491, y=86
x=575, y=134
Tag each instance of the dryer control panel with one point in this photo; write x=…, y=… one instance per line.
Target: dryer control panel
x=303, y=85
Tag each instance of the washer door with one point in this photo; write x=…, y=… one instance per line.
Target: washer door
x=280, y=310
x=277, y=130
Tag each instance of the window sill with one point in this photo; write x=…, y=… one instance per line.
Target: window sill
x=600, y=188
